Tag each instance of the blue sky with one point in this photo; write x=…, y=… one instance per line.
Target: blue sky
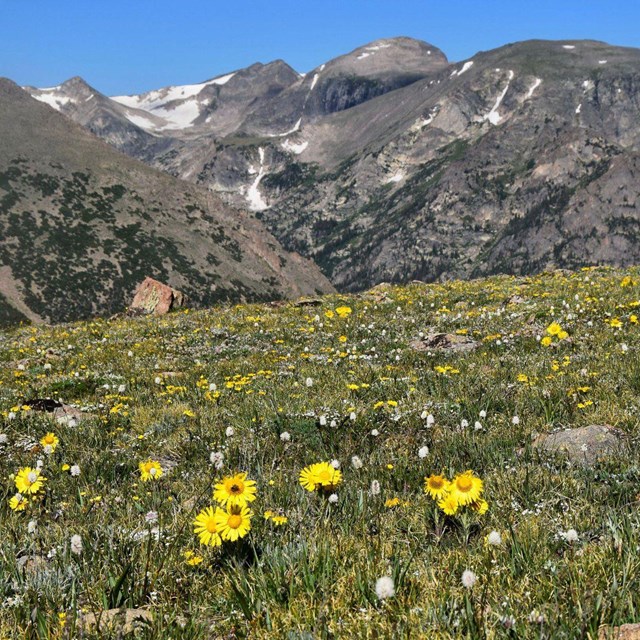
x=127, y=46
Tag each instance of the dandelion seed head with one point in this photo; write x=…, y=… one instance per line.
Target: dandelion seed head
x=76, y=544
x=494, y=539
x=469, y=578
x=356, y=462
x=285, y=436
x=423, y=452
x=385, y=588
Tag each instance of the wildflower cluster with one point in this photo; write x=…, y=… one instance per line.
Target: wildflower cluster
x=465, y=490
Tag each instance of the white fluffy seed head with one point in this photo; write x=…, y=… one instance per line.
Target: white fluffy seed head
x=76, y=544
x=285, y=436
x=494, y=539
x=385, y=588
x=375, y=488
x=229, y=431
x=74, y=470
x=309, y=382
x=356, y=463
x=423, y=452
x=333, y=498
x=468, y=579
x=335, y=464
x=571, y=535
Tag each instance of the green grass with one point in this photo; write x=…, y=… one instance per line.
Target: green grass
x=315, y=576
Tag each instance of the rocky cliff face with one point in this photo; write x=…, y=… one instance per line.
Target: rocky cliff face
x=82, y=225
x=389, y=163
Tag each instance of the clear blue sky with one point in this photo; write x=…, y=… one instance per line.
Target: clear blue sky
x=127, y=46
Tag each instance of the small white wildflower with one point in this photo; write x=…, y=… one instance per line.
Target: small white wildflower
x=11, y=415
x=423, y=452
x=464, y=424
x=483, y=414
x=217, y=459
x=333, y=498
x=477, y=426
x=151, y=517
x=323, y=421
x=352, y=416
x=624, y=347
x=47, y=366
x=130, y=353
x=430, y=420
x=32, y=526
x=74, y=470
x=494, y=539
x=122, y=388
x=375, y=432
x=229, y=432
x=309, y=382
x=468, y=579
x=571, y=535
x=3, y=438
x=335, y=464
x=333, y=424
x=212, y=386
x=158, y=380
x=385, y=588
x=52, y=553
x=375, y=488
x=356, y=462
x=515, y=420
x=76, y=544
x=20, y=367
x=285, y=436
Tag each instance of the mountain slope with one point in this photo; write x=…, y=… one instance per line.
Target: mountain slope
x=389, y=163
x=82, y=225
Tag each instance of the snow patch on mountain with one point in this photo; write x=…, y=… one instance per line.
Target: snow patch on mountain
x=254, y=197
x=465, y=67
x=534, y=86
x=294, y=147
x=493, y=116
x=53, y=97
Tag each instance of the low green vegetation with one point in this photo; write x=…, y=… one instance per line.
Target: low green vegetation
x=117, y=506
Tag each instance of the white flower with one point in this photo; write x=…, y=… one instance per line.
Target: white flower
x=122, y=388
x=385, y=588
x=423, y=452
x=151, y=517
x=76, y=544
x=375, y=432
x=356, y=463
x=571, y=535
x=47, y=366
x=75, y=470
x=285, y=436
x=494, y=539
x=352, y=416
x=333, y=424
x=212, y=386
x=477, y=426
x=229, y=432
x=375, y=488
x=11, y=415
x=309, y=382
x=3, y=438
x=158, y=380
x=464, y=424
x=430, y=420
x=333, y=498
x=32, y=526
x=335, y=464
x=468, y=579
x=483, y=414
x=323, y=421
x=515, y=420
x=130, y=353
x=217, y=459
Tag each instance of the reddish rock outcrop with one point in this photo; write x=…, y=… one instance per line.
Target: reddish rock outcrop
x=156, y=298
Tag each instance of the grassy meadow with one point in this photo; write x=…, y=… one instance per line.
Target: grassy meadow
x=115, y=508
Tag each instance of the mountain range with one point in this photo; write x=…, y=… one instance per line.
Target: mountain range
x=391, y=163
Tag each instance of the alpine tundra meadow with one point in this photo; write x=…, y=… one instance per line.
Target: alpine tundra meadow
x=389, y=464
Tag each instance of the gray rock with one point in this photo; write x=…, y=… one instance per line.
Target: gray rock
x=444, y=342
x=583, y=445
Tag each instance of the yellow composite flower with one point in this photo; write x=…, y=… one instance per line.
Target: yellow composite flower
x=546, y=341
x=150, y=470
x=554, y=329
x=29, y=481
x=436, y=486
x=279, y=520
x=50, y=440
x=233, y=523
x=466, y=488
x=206, y=528
x=448, y=504
x=480, y=506
x=235, y=490
x=18, y=502
x=344, y=312
x=320, y=475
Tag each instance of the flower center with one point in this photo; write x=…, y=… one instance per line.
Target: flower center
x=32, y=477
x=464, y=484
x=324, y=476
x=436, y=483
x=211, y=526
x=235, y=489
x=234, y=521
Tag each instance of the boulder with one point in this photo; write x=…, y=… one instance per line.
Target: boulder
x=444, y=342
x=118, y=620
x=623, y=632
x=153, y=297
x=583, y=445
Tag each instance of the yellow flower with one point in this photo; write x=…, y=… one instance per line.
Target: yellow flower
x=392, y=502
x=344, y=312
x=191, y=558
x=279, y=520
x=328, y=314
x=50, y=442
x=436, y=486
x=342, y=338
x=206, y=528
x=234, y=523
x=150, y=470
x=449, y=505
x=546, y=341
x=29, y=481
x=269, y=514
x=480, y=506
x=554, y=329
x=626, y=281
x=563, y=335
x=18, y=502
x=466, y=488
x=235, y=490
x=320, y=475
